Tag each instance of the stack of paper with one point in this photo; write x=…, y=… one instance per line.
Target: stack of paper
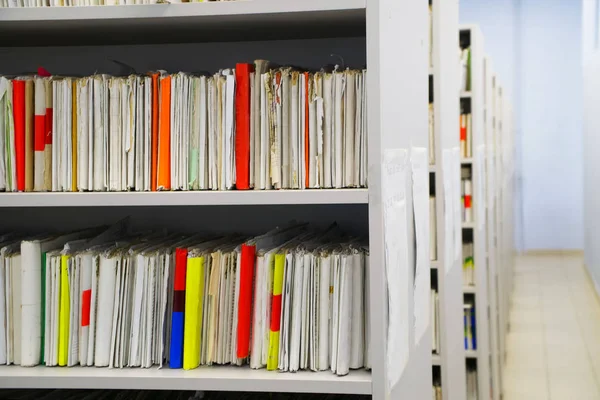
x=468, y=264
x=465, y=70
x=108, y=300
x=250, y=127
x=466, y=136
x=470, y=325
x=472, y=383
x=435, y=322
x=437, y=391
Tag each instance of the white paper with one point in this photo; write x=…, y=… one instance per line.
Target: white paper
x=420, y=192
x=393, y=173
x=456, y=202
x=449, y=228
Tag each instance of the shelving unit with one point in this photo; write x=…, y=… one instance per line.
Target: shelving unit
x=475, y=231
x=491, y=207
x=446, y=269
x=387, y=36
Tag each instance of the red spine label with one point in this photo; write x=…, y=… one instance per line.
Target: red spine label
x=276, y=313
x=86, y=301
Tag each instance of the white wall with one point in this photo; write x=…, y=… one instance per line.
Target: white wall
x=551, y=102
x=591, y=125
x=536, y=53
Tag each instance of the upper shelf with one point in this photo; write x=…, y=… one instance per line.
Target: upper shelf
x=182, y=23
x=208, y=198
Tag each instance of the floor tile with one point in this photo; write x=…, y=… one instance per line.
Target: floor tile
x=553, y=351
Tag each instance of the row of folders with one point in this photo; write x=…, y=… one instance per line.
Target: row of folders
x=291, y=299
x=252, y=127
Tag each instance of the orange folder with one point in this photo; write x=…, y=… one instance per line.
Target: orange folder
x=164, y=135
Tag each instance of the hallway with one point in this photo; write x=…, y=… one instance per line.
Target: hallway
x=553, y=346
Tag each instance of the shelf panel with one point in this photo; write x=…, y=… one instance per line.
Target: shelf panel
x=468, y=225
x=233, y=197
x=436, y=359
x=469, y=289
x=225, y=378
x=471, y=353
x=182, y=23
x=466, y=160
x=465, y=95
x=434, y=264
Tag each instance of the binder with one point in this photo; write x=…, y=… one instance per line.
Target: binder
x=164, y=135
x=242, y=125
x=64, y=312
x=29, y=134
x=194, y=303
x=40, y=134
x=20, y=131
x=177, y=333
x=275, y=323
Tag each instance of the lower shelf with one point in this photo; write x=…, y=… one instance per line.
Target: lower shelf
x=471, y=353
x=217, y=378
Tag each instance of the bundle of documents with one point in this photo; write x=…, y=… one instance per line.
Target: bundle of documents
x=431, y=136
x=436, y=391
x=251, y=127
x=466, y=136
x=432, y=229
x=291, y=299
x=468, y=264
x=467, y=200
x=435, y=322
x=465, y=69
x=470, y=325
x=81, y=3
x=472, y=382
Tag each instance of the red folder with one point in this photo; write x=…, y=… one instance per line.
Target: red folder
x=19, y=121
x=245, y=300
x=242, y=125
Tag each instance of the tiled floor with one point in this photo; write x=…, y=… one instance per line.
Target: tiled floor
x=553, y=346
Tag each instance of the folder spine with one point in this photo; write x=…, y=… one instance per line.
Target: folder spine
x=176, y=348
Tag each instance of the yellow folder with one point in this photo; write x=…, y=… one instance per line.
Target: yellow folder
x=63, y=314
x=194, y=296
x=273, y=359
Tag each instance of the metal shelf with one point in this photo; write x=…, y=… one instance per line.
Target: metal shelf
x=471, y=353
x=180, y=23
x=232, y=197
x=226, y=378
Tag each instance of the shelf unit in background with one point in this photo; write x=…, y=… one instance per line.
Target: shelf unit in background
x=79, y=40
x=446, y=269
x=475, y=231
x=491, y=218
x=505, y=230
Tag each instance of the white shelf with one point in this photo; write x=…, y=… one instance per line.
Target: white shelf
x=232, y=197
x=465, y=95
x=468, y=225
x=436, y=359
x=226, y=378
x=471, y=353
x=468, y=160
x=434, y=264
x=469, y=289
x=191, y=22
